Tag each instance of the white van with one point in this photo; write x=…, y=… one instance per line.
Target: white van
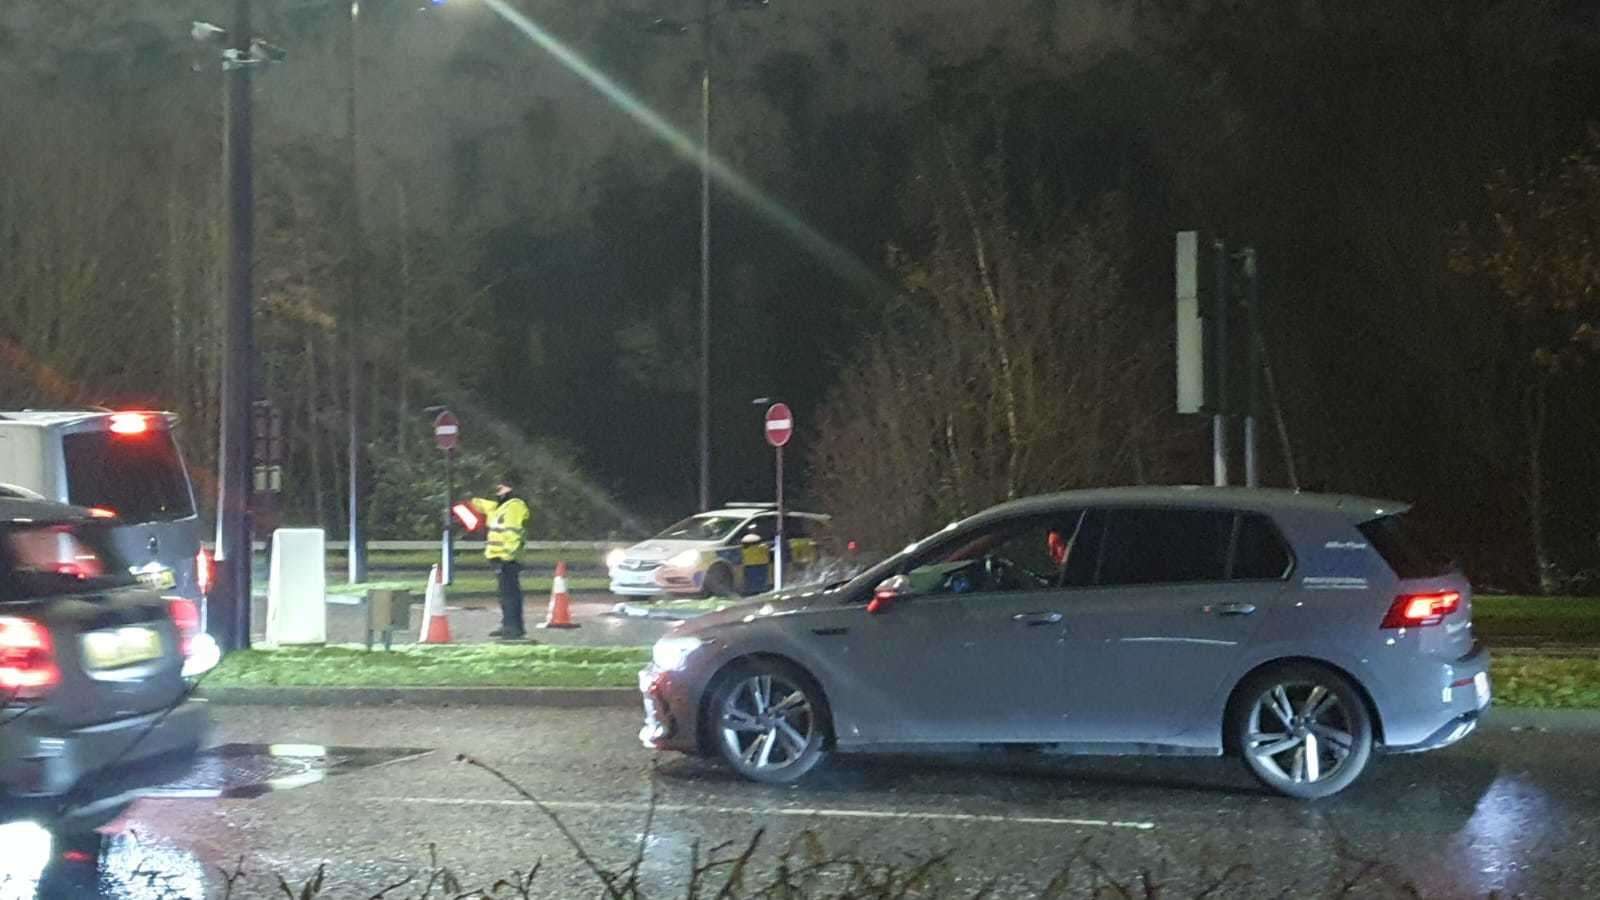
x=123, y=466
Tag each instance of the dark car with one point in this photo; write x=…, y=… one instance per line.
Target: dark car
x=94, y=702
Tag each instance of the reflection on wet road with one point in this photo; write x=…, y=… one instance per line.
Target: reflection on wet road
x=242, y=771
x=1508, y=812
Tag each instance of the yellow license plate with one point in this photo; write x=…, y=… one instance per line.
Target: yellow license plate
x=118, y=647
x=161, y=580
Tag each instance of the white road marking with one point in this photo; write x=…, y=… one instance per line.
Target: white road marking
x=790, y=811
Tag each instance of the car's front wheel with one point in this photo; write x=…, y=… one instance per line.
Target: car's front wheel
x=770, y=723
x=1302, y=729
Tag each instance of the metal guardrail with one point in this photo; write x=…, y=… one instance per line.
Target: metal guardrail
x=597, y=546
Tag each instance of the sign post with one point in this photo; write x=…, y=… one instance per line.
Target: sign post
x=779, y=428
x=447, y=436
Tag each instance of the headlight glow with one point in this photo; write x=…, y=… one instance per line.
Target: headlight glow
x=615, y=558
x=670, y=653
x=204, y=654
x=686, y=558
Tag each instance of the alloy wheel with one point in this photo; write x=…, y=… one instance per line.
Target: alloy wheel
x=768, y=724
x=1300, y=732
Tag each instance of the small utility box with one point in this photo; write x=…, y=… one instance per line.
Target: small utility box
x=388, y=611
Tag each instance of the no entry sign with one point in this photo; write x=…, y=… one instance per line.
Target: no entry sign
x=446, y=431
x=780, y=424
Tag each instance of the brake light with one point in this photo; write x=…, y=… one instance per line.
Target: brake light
x=1417, y=610
x=27, y=660
x=100, y=512
x=129, y=423
x=185, y=615
x=202, y=571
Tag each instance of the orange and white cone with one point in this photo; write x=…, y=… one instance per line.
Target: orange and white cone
x=560, y=612
x=435, y=621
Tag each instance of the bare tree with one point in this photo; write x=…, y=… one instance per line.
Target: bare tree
x=1013, y=362
x=1538, y=251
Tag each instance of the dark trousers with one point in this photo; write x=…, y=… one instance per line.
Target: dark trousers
x=510, y=596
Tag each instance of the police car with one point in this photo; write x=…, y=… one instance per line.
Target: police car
x=720, y=553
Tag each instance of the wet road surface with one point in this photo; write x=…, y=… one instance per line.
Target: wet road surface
x=1513, y=812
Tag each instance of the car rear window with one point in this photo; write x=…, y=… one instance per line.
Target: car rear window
x=43, y=560
x=137, y=476
x=1404, y=546
x=1157, y=546
x=1259, y=553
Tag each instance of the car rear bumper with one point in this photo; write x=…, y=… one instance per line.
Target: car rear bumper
x=98, y=766
x=1464, y=692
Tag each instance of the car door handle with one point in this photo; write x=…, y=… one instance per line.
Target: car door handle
x=1231, y=609
x=1033, y=619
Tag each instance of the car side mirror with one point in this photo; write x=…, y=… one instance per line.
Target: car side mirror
x=750, y=539
x=890, y=591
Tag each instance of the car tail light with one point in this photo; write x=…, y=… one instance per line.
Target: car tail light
x=100, y=512
x=27, y=659
x=185, y=615
x=1417, y=610
x=129, y=423
x=203, y=572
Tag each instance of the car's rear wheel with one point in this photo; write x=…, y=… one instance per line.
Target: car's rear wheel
x=718, y=582
x=1303, y=730
x=770, y=722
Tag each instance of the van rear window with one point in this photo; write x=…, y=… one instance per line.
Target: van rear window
x=140, y=477
x=1408, y=552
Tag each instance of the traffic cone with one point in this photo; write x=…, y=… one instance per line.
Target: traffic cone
x=435, y=622
x=560, y=613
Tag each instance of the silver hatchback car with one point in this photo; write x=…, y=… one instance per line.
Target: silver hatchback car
x=1301, y=632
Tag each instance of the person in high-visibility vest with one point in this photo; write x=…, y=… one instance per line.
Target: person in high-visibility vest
x=507, y=516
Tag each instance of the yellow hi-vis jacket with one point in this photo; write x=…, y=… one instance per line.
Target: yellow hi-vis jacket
x=508, y=527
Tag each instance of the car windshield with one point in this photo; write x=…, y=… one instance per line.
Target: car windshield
x=701, y=528
x=137, y=476
x=41, y=560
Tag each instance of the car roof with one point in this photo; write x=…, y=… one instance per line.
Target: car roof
x=746, y=511
x=1263, y=500
x=48, y=418
x=18, y=510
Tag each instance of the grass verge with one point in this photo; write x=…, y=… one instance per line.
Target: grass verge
x=471, y=584
x=687, y=607
x=466, y=665
x=1509, y=619
x=1527, y=681
x=1546, y=682
x=422, y=559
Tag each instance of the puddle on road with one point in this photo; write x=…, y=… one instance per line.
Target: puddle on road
x=244, y=771
x=34, y=864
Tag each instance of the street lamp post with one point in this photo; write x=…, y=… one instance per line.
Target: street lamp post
x=232, y=627
x=357, y=554
x=227, y=606
x=666, y=26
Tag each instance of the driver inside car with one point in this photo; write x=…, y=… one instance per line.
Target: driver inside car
x=1059, y=546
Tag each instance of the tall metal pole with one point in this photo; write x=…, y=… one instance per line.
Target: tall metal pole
x=228, y=620
x=777, y=545
x=447, y=542
x=357, y=555
x=1219, y=417
x=1252, y=474
x=705, y=257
